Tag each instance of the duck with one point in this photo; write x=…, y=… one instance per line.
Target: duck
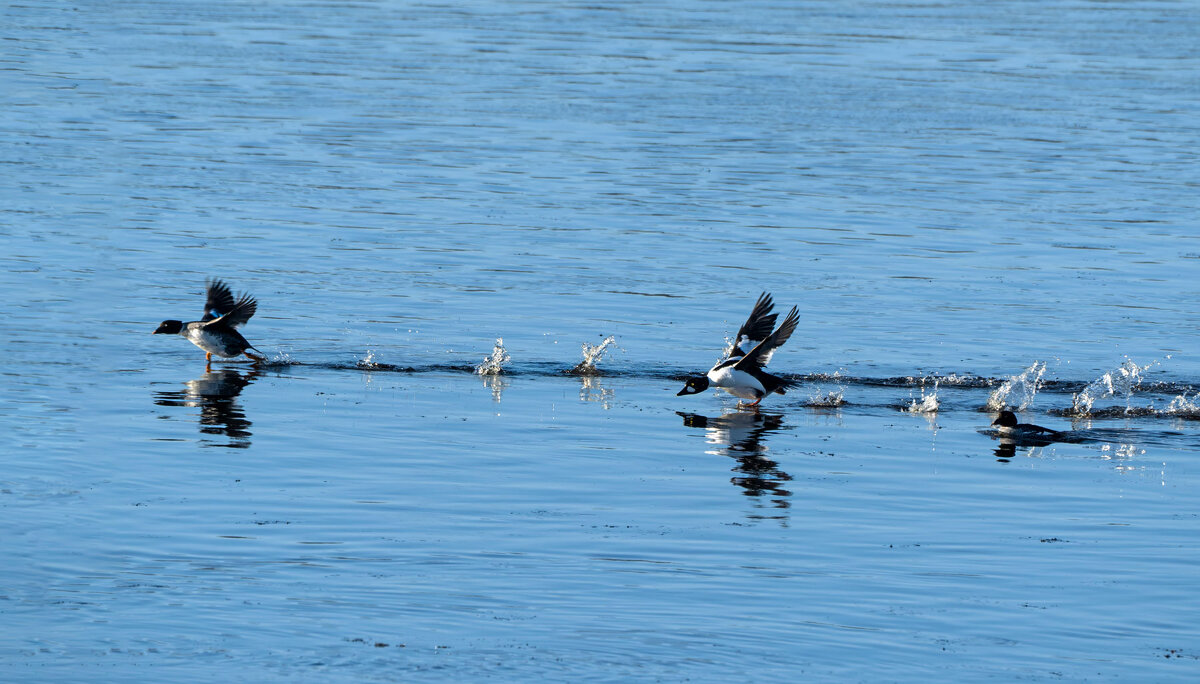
x=216, y=332
x=742, y=372
x=1007, y=427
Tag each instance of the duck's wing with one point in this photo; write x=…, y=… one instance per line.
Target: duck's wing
x=238, y=314
x=1038, y=430
x=760, y=355
x=756, y=328
x=219, y=301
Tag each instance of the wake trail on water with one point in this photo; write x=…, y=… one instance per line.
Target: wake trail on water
x=1126, y=383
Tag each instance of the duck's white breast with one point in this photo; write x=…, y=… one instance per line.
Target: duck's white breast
x=214, y=344
x=738, y=383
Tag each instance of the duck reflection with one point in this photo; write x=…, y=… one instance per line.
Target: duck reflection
x=740, y=435
x=215, y=393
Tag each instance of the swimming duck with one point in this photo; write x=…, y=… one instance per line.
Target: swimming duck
x=1007, y=427
x=216, y=332
x=742, y=372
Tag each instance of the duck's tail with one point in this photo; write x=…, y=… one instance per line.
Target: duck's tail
x=783, y=385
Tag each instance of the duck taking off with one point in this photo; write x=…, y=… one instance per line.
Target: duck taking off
x=216, y=332
x=742, y=373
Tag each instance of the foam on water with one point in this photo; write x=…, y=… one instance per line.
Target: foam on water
x=493, y=364
x=592, y=353
x=1018, y=391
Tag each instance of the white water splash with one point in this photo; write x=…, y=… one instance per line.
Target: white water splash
x=1184, y=407
x=494, y=363
x=1120, y=381
x=928, y=401
x=592, y=353
x=829, y=399
x=1018, y=391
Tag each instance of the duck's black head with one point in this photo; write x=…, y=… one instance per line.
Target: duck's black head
x=169, y=328
x=1005, y=419
x=695, y=385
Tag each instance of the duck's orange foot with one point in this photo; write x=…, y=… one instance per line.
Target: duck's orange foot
x=256, y=358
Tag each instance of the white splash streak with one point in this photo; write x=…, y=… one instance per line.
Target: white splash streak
x=1121, y=380
x=592, y=353
x=1184, y=407
x=831, y=398
x=1023, y=387
x=928, y=402
x=494, y=363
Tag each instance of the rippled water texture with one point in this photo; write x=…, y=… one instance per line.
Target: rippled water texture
x=489, y=240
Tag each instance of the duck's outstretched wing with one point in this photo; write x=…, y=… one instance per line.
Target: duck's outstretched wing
x=219, y=301
x=756, y=328
x=238, y=314
x=760, y=355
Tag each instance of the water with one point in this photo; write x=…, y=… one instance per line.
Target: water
x=493, y=364
x=592, y=355
x=927, y=401
x=948, y=194
x=1020, y=390
x=1123, y=382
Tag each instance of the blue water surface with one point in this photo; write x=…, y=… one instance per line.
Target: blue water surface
x=949, y=193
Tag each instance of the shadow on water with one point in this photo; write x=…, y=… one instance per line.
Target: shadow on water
x=215, y=393
x=741, y=435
